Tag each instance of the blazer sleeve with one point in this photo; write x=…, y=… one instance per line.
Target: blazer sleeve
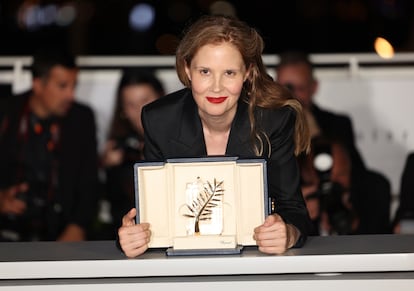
x=284, y=175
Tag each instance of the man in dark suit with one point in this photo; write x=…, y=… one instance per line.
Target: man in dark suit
x=48, y=157
x=370, y=193
x=295, y=71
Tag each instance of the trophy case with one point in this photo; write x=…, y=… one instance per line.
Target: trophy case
x=202, y=205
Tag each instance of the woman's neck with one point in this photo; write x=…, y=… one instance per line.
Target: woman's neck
x=216, y=134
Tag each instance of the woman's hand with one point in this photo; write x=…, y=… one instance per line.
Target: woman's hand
x=274, y=236
x=133, y=238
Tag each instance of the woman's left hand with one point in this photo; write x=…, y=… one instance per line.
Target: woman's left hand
x=274, y=236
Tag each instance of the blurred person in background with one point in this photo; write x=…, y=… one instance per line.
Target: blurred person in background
x=403, y=222
x=370, y=190
x=326, y=184
x=48, y=157
x=125, y=143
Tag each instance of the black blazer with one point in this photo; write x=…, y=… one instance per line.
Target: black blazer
x=173, y=129
x=77, y=193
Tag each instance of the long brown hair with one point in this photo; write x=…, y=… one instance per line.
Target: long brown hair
x=260, y=89
x=121, y=127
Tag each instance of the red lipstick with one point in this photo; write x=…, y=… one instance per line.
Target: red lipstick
x=216, y=100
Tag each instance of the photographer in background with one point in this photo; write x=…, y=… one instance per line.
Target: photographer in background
x=136, y=88
x=48, y=157
x=326, y=185
x=371, y=190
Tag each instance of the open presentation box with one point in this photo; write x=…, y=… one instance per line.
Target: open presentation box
x=202, y=205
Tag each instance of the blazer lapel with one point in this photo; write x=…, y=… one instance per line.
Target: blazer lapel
x=239, y=143
x=190, y=139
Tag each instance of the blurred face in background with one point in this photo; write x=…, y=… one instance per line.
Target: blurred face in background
x=134, y=97
x=298, y=78
x=54, y=95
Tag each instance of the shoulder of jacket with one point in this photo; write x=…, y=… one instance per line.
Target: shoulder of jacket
x=331, y=113
x=81, y=109
x=172, y=99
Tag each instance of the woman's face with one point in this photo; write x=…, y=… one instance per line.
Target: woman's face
x=134, y=97
x=217, y=73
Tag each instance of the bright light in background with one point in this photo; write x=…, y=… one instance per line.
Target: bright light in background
x=46, y=15
x=142, y=17
x=383, y=48
x=33, y=16
x=27, y=17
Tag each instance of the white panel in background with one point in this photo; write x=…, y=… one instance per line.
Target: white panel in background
x=380, y=103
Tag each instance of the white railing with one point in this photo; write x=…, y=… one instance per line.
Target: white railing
x=271, y=60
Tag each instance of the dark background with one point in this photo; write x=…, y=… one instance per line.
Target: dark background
x=101, y=27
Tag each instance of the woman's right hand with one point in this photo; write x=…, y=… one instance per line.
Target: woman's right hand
x=133, y=238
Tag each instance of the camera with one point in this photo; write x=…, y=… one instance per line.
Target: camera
x=35, y=199
x=132, y=147
x=32, y=224
x=330, y=193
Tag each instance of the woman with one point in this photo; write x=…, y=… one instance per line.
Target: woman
x=230, y=106
x=126, y=137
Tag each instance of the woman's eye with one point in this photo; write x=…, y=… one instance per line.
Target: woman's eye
x=204, y=71
x=230, y=73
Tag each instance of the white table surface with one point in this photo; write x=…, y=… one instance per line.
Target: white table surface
x=102, y=259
